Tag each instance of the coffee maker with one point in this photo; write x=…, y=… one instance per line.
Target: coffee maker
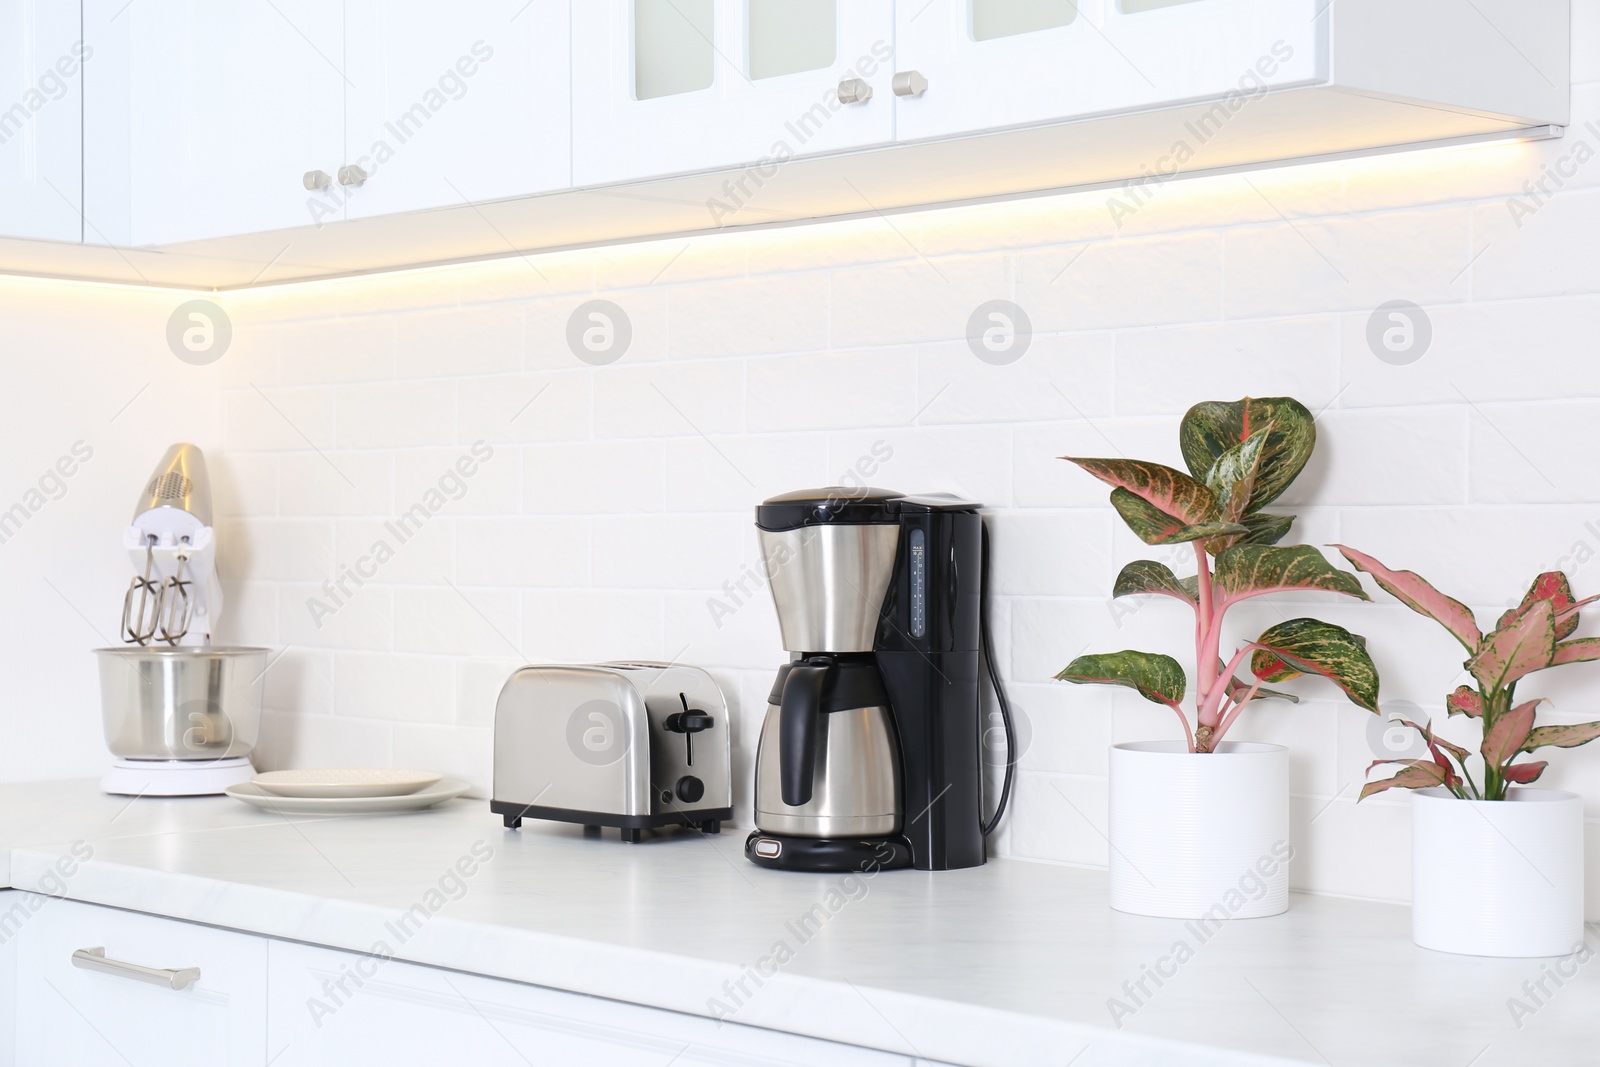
x=870, y=755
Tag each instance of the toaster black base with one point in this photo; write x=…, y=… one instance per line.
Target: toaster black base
x=706, y=820
x=827, y=855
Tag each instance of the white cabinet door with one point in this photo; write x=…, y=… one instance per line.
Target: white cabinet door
x=41, y=99
x=67, y=1015
x=453, y=103
x=232, y=104
x=1000, y=63
x=330, y=1007
x=674, y=86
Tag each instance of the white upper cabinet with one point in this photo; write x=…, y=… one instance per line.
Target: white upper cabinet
x=1001, y=63
x=454, y=103
x=674, y=86
x=41, y=97
x=231, y=105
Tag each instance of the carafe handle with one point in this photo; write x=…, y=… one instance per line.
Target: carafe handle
x=799, y=718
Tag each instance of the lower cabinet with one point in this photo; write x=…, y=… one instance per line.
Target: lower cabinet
x=260, y=1001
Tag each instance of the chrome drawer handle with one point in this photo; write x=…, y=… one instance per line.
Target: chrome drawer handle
x=94, y=959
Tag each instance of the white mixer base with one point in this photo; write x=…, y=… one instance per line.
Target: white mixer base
x=175, y=778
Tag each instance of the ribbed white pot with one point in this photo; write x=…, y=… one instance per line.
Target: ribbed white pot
x=1497, y=878
x=1200, y=835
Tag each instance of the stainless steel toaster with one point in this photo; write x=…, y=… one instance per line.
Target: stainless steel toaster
x=633, y=745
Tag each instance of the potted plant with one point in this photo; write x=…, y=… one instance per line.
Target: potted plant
x=1497, y=867
x=1203, y=823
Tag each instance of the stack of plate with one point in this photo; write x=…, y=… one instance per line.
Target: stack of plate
x=347, y=790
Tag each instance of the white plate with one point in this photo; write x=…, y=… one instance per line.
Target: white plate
x=346, y=782
x=255, y=796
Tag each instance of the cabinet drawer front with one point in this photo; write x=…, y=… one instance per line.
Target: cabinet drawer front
x=69, y=1014
x=339, y=1007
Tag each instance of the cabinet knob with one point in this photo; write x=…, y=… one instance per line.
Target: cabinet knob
x=350, y=174
x=854, y=91
x=316, y=180
x=910, y=83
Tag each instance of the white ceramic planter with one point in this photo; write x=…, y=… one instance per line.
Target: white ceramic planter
x=1200, y=836
x=1497, y=878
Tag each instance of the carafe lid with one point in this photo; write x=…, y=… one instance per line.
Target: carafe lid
x=849, y=504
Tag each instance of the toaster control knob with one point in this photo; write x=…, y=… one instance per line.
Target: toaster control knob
x=690, y=789
x=689, y=722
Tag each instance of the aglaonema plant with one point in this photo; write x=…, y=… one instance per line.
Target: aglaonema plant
x=1534, y=635
x=1241, y=456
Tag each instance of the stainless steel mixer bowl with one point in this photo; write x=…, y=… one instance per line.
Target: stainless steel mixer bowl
x=181, y=703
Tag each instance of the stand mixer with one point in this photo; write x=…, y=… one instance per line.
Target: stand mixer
x=180, y=714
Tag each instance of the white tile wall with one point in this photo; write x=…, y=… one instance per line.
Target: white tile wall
x=616, y=504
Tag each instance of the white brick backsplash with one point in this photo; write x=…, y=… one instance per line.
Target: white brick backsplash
x=599, y=478
x=1162, y=372
x=553, y=406
x=1056, y=377
x=360, y=616
x=666, y=551
x=737, y=473
x=336, y=483
x=397, y=688
x=480, y=339
x=920, y=300
x=777, y=313
x=277, y=420
x=1347, y=263
x=336, y=350
x=614, y=518
x=835, y=389
x=457, y=621
x=522, y=552
x=588, y=626
x=397, y=414
x=1124, y=282
x=669, y=399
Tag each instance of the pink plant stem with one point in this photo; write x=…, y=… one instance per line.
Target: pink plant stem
x=1205, y=665
x=1178, y=711
x=1210, y=709
x=1233, y=715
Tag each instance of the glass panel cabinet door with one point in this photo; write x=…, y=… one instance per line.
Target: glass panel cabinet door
x=41, y=99
x=998, y=63
x=669, y=87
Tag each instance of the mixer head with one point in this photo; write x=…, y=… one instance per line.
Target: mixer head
x=172, y=547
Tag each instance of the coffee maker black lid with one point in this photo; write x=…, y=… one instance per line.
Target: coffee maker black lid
x=849, y=504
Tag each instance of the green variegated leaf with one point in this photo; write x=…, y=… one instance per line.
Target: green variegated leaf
x=1465, y=701
x=1159, y=679
x=1233, y=476
x=1156, y=527
x=1148, y=576
x=1516, y=650
x=1210, y=429
x=1561, y=736
x=1311, y=646
x=1253, y=570
x=1260, y=529
x=1238, y=687
x=1415, y=774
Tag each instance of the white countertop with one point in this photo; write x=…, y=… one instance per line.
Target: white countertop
x=1011, y=963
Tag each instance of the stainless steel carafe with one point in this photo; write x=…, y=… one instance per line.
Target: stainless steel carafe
x=828, y=762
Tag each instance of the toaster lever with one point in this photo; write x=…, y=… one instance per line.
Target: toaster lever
x=688, y=722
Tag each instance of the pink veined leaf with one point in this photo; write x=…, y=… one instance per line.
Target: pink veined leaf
x=1415, y=774
x=1465, y=701
x=1561, y=736
x=1415, y=593
x=1517, y=650
x=1509, y=733
x=1171, y=491
x=1524, y=773
x=1580, y=651
x=1434, y=746
x=1551, y=586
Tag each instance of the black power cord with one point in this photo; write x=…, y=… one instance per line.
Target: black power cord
x=986, y=644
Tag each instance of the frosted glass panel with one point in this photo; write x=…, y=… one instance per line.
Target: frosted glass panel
x=1007, y=18
x=1133, y=7
x=672, y=49
x=789, y=36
